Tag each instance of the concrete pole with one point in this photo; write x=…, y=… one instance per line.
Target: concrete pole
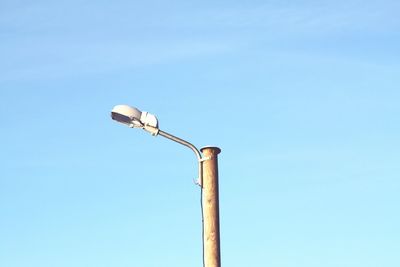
x=212, y=254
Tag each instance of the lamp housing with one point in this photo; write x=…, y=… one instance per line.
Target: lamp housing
x=134, y=118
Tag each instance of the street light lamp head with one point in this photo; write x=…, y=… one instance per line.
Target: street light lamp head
x=127, y=115
x=135, y=118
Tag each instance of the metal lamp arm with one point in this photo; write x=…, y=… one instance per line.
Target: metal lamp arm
x=189, y=145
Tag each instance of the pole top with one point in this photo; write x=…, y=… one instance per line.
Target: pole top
x=215, y=149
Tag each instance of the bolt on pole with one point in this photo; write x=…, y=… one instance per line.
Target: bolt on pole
x=212, y=253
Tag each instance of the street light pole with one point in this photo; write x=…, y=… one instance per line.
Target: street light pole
x=210, y=202
x=207, y=180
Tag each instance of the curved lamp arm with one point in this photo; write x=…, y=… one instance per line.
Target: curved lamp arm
x=135, y=118
x=192, y=147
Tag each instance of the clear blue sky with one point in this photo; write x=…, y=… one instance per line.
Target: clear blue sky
x=301, y=96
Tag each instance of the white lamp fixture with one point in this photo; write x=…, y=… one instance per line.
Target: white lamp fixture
x=135, y=118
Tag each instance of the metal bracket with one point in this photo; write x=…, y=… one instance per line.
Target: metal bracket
x=204, y=159
x=199, y=179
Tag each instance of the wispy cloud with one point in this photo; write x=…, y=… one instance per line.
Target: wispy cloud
x=43, y=40
x=311, y=16
x=55, y=59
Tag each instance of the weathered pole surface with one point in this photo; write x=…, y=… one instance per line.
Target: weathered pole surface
x=212, y=253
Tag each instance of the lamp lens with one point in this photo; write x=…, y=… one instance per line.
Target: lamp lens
x=120, y=118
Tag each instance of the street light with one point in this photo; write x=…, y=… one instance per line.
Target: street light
x=207, y=180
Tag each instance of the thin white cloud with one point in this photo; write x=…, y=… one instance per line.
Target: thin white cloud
x=311, y=17
x=45, y=40
x=52, y=59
